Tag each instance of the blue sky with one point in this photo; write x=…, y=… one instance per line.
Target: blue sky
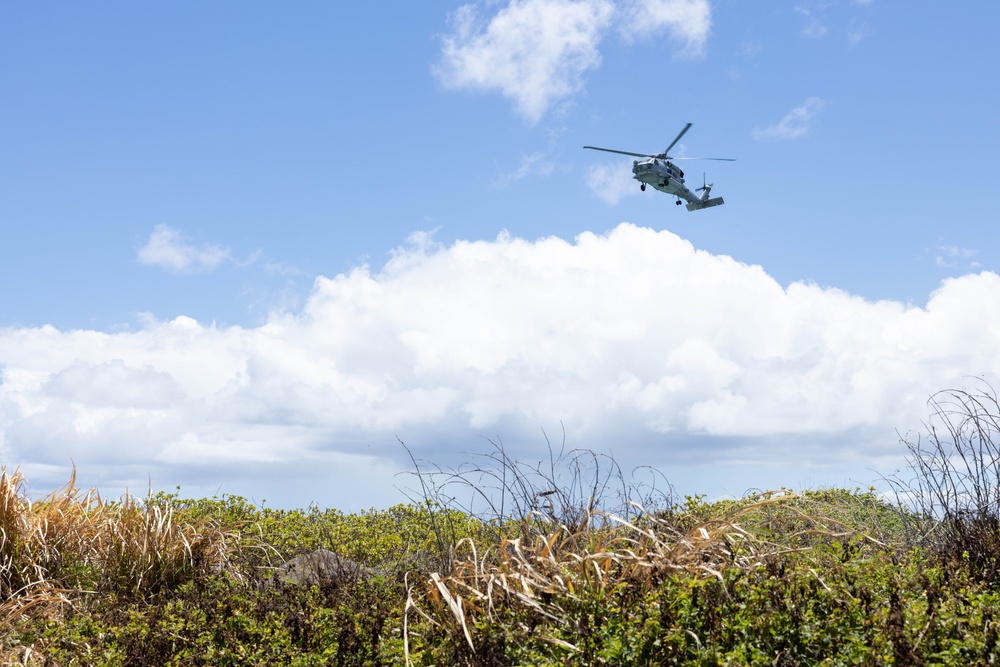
x=247, y=246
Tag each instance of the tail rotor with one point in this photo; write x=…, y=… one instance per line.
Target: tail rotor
x=705, y=187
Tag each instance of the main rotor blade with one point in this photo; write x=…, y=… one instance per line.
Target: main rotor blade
x=724, y=159
x=612, y=150
x=686, y=128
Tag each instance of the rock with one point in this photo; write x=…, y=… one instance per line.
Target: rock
x=322, y=567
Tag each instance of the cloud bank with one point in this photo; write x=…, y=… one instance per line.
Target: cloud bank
x=633, y=340
x=536, y=52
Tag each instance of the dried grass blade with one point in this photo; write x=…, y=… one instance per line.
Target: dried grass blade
x=560, y=642
x=456, y=607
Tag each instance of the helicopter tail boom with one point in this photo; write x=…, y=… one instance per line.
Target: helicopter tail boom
x=704, y=203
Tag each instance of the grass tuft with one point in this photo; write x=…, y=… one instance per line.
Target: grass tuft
x=73, y=541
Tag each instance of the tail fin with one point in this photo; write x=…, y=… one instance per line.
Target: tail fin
x=703, y=201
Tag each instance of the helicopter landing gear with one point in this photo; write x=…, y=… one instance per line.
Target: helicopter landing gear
x=643, y=187
x=678, y=202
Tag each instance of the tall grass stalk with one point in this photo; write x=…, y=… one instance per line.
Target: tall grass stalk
x=572, y=487
x=955, y=487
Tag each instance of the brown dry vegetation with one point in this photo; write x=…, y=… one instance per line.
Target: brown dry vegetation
x=546, y=573
x=72, y=543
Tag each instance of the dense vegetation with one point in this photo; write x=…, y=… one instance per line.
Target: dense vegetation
x=562, y=566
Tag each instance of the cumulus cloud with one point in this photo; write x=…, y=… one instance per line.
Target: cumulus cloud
x=797, y=123
x=632, y=340
x=533, y=51
x=536, y=52
x=168, y=248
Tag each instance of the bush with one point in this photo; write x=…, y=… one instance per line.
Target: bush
x=957, y=479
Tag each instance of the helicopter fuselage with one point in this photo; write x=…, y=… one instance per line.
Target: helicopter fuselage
x=666, y=177
x=661, y=174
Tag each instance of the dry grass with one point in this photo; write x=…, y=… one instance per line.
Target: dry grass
x=72, y=542
x=557, y=546
x=544, y=572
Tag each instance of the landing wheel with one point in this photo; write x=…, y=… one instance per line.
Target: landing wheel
x=678, y=202
x=643, y=187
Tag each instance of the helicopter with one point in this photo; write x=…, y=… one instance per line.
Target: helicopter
x=665, y=176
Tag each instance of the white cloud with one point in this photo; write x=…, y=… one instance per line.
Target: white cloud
x=823, y=14
x=535, y=164
x=797, y=123
x=858, y=29
x=611, y=182
x=634, y=340
x=170, y=249
x=952, y=257
x=687, y=21
x=856, y=35
x=536, y=52
x=814, y=27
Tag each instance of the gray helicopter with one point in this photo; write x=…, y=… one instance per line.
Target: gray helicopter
x=658, y=171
